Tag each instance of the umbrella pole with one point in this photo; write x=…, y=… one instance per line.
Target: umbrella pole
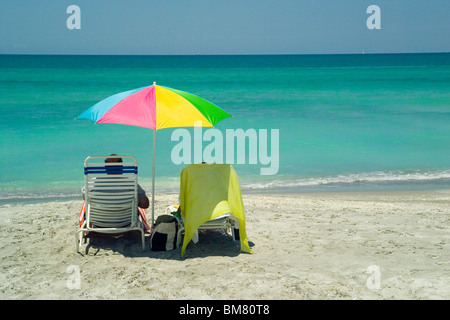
x=153, y=180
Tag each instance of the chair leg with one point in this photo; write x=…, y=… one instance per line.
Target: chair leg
x=180, y=231
x=143, y=239
x=78, y=237
x=235, y=230
x=195, y=237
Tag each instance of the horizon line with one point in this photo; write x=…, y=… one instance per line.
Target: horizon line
x=219, y=54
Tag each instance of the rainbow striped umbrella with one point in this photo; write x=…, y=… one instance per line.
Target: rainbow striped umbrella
x=155, y=107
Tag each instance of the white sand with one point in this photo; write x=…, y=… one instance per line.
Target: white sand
x=306, y=246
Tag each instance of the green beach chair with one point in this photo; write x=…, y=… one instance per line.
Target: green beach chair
x=210, y=198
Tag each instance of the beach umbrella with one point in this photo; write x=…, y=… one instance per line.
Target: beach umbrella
x=155, y=107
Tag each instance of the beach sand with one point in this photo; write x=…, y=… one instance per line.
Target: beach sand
x=349, y=245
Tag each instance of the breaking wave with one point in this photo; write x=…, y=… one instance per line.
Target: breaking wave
x=385, y=178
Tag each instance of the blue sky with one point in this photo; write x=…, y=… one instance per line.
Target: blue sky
x=223, y=27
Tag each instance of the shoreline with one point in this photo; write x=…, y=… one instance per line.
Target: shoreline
x=306, y=246
x=73, y=196
x=390, y=180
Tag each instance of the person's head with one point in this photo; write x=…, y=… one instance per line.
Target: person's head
x=114, y=169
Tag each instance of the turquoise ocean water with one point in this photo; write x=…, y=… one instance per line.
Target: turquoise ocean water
x=346, y=122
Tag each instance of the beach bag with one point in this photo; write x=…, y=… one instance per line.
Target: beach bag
x=164, y=235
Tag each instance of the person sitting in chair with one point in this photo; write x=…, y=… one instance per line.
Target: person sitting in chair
x=143, y=201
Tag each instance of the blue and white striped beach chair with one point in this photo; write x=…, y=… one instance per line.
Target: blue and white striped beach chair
x=111, y=192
